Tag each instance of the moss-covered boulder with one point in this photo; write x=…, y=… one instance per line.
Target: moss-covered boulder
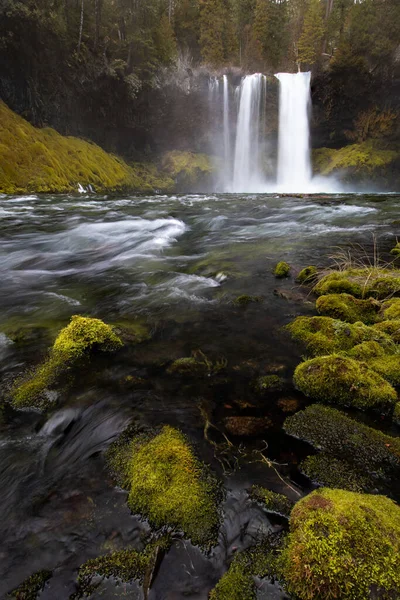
x=82, y=336
x=328, y=471
x=391, y=309
x=347, y=308
x=324, y=335
x=375, y=282
x=307, y=275
x=42, y=160
x=190, y=171
x=369, y=451
x=341, y=380
x=31, y=588
x=272, y=501
x=167, y=483
x=282, y=269
x=343, y=545
x=390, y=328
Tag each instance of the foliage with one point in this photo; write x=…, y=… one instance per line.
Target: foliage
x=309, y=45
x=81, y=336
x=373, y=123
x=216, y=32
x=343, y=545
x=270, y=30
x=366, y=158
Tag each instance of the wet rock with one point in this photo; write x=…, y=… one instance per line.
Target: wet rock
x=247, y=426
x=288, y=404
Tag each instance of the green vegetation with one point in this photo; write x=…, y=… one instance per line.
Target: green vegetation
x=167, y=483
x=396, y=250
x=376, y=282
x=343, y=545
x=42, y=160
x=309, y=46
x=341, y=380
x=396, y=413
x=307, y=275
x=390, y=328
x=73, y=343
x=187, y=169
x=328, y=471
x=273, y=502
x=369, y=451
x=391, y=309
x=366, y=159
x=197, y=365
x=268, y=383
x=282, y=270
x=347, y=308
x=245, y=300
x=324, y=335
x=31, y=587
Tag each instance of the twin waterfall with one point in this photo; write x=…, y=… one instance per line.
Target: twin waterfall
x=246, y=161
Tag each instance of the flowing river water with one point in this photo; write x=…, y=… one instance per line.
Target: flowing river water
x=172, y=266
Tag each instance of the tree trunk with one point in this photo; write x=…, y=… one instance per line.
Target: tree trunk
x=80, y=27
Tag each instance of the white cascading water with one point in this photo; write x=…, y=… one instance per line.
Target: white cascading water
x=247, y=173
x=227, y=133
x=294, y=161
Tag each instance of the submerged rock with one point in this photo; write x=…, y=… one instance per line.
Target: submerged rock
x=167, y=484
x=343, y=545
x=82, y=336
x=341, y=380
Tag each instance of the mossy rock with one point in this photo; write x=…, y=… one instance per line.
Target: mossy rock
x=31, y=587
x=167, y=483
x=327, y=471
x=197, y=365
x=341, y=380
x=273, y=502
x=268, y=383
x=238, y=583
x=385, y=361
x=282, y=270
x=331, y=431
x=391, y=310
x=347, y=308
x=245, y=300
x=379, y=283
x=324, y=335
x=82, y=336
x=390, y=328
x=307, y=275
x=42, y=160
x=396, y=250
x=343, y=545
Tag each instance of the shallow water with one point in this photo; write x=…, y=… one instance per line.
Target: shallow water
x=172, y=264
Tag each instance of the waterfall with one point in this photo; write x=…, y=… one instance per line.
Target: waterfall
x=227, y=132
x=247, y=172
x=294, y=162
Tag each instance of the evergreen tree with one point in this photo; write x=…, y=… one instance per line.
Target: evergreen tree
x=270, y=29
x=217, y=40
x=165, y=41
x=309, y=46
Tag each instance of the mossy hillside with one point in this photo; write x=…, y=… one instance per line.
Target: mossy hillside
x=343, y=545
x=328, y=471
x=375, y=282
x=281, y=270
x=324, y=335
x=168, y=484
x=347, y=308
x=42, y=160
x=307, y=275
x=369, y=451
x=342, y=380
x=272, y=501
x=366, y=160
x=31, y=587
x=187, y=169
x=74, y=342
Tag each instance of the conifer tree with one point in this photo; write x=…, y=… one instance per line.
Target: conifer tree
x=270, y=29
x=309, y=46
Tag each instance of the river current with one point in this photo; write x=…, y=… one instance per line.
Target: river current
x=173, y=266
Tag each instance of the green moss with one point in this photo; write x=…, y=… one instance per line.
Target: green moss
x=329, y=430
x=238, y=582
x=167, y=483
x=367, y=158
x=390, y=328
x=343, y=545
x=197, y=365
x=347, y=308
x=396, y=250
x=340, y=380
x=245, y=300
x=328, y=471
x=268, y=383
x=385, y=361
x=282, y=270
x=74, y=342
x=307, y=275
x=376, y=282
x=273, y=502
x=324, y=335
x=31, y=587
x=391, y=309
x=41, y=160
x=188, y=169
